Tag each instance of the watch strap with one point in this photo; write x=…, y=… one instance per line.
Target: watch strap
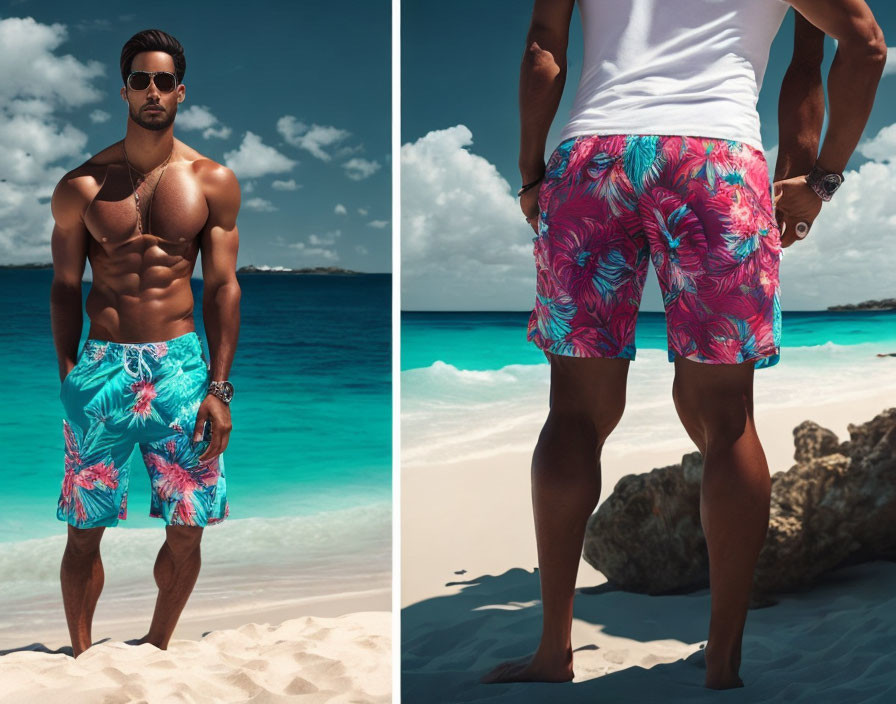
x=222, y=390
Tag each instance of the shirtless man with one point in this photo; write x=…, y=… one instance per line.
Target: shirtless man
x=653, y=166
x=140, y=211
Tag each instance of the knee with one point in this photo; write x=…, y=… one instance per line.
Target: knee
x=720, y=417
x=183, y=541
x=83, y=542
x=593, y=425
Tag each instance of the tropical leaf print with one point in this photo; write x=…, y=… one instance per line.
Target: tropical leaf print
x=180, y=479
x=146, y=394
x=677, y=241
x=699, y=208
x=643, y=160
x=89, y=483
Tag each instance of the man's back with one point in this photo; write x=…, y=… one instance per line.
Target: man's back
x=690, y=67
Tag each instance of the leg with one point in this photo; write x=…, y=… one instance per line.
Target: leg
x=82, y=581
x=715, y=404
x=587, y=401
x=176, y=570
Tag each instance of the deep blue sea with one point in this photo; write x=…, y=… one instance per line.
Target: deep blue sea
x=311, y=440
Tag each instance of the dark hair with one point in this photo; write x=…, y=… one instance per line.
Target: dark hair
x=153, y=40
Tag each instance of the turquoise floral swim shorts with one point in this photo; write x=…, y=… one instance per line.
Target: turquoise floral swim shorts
x=121, y=395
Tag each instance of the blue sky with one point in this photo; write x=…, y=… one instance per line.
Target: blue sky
x=294, y=96
x=460, y=68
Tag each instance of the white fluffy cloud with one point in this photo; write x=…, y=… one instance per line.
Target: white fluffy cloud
x=881, y=147
x=465, y=245
x=200, y=117
x=37, y=87
x=315, y=139
x=378, y=224
x=328, y=238
x=850, y=253
x=98, y=116
x=31, y=69
x=260, y=204
x=464, y=242
x=340, y=209
x=890, y=66
x=358, y=169
x=289, y=185
x=253, y=158
x=318, y=247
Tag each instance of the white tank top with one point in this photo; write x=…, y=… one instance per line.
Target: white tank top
x=677, y=67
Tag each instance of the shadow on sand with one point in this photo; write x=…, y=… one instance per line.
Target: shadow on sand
x=835, y=643
x=41, y=648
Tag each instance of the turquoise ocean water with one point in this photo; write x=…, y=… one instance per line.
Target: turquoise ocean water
x=472, y=386
x=483, y=341
x=310, y=447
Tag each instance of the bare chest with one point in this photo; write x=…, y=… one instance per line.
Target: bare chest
x=170, y=206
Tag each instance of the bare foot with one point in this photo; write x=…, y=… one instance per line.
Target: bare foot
x=141, y=641
x=722, y=671
x=532, y=669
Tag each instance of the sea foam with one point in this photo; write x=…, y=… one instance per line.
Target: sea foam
x=318, y=546
x=454, y=415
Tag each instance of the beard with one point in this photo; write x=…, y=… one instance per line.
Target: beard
x=154, y=125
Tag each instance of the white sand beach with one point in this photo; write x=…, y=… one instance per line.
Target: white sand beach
x=310, y=659
x=313, y=624
x=470, y=592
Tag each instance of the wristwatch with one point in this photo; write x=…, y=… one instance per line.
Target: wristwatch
x=824, y=183
x=222, y=390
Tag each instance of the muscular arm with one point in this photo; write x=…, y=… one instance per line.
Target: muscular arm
x=69, y=249
x=854, y=75
x=542, y=77
x=801, y=103
x=219, y=243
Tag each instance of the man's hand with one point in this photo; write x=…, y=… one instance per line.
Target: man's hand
x=529, y=206
x=218, y=412
x=795, y=201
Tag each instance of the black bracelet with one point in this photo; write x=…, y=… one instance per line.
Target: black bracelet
x=529, y=186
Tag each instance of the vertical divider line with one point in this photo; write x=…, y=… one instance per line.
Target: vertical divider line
x=396, y=351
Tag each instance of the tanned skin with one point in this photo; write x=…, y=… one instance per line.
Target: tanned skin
x=713, y=401
x=141, y=293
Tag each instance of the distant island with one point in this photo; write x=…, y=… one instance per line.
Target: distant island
x=882, y=304
x=252, y=269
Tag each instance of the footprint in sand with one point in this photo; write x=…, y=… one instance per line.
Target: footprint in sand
x=617, y=657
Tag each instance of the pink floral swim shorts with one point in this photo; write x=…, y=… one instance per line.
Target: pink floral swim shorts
x=699, y=208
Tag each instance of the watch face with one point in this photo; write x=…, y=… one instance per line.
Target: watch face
x=830, y=183
x=227, y=388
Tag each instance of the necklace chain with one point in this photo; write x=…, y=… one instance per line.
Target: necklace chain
x=152, y=193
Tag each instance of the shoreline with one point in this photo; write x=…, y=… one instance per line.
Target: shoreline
x=270, y=569
x=198, y=620
x=472, y=518
x=470, y=594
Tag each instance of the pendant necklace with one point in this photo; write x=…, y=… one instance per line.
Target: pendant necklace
x=152, y=194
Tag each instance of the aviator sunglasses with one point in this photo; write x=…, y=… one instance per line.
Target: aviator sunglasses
x=164, y=80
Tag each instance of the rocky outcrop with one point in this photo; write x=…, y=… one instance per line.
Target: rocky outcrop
x=646, y=537
x=837, y=504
